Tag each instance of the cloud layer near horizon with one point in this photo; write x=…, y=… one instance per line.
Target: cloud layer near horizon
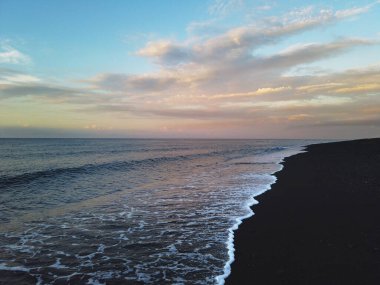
x=224, y=81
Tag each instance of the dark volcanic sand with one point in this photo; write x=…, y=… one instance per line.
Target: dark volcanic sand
x=320, y=222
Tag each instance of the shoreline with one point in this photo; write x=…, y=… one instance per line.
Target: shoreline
x=230, y=244
x=319, y=225
x=220, y=279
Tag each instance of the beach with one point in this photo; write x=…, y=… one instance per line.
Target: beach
x=319, y=223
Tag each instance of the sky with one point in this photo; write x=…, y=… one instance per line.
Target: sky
x=190, y=69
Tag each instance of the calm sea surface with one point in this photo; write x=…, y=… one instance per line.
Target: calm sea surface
x=150, y=211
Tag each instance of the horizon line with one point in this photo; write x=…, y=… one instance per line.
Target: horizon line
x=181, y=138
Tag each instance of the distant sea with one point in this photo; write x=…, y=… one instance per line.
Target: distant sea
x=154, y=211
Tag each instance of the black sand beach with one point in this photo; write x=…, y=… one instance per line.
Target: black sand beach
x=320, y=222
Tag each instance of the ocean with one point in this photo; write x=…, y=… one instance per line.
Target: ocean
x=97, y=211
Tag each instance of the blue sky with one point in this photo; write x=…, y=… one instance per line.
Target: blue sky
x=218, y=68
x=59, y=33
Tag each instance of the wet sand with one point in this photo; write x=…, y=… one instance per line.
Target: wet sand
x=320, y=222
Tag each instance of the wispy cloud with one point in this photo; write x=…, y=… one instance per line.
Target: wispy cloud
x=354, y=11
x=240, y=42
x=15, y=84
x=9, y=54
x=222, y=7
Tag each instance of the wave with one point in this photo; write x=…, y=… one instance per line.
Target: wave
x=69, y=153
x=6, y=181
x=24, y=178
x=275, y=149
x=28, y=177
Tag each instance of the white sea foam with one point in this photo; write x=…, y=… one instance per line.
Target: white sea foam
x=58, y=264
x=94, y=281
x=278, y=158
x=172, y=248
x=230, y=242
x=3, y=266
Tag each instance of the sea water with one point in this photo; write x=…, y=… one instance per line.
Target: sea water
x=143, y=211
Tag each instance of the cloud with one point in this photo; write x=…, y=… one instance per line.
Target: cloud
x=249, y=95
x=223, y=7
x=266, y=7
x=203, y=29
x=354, y=11
x=316, y=98
x=28, y=89
x=15, y=84
x=46, y=92
x=132, y=83
x=229, y=72
x=20, y=78
x=9, y=54
x=360, y=88
x=221, y=77
x=375, y=122
x=239, y=42
x=310, y=52
x=10, y=76
x=299, y=117
x=165, y=52
x=223, y=80
x=317, y=101
x=46, y=132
